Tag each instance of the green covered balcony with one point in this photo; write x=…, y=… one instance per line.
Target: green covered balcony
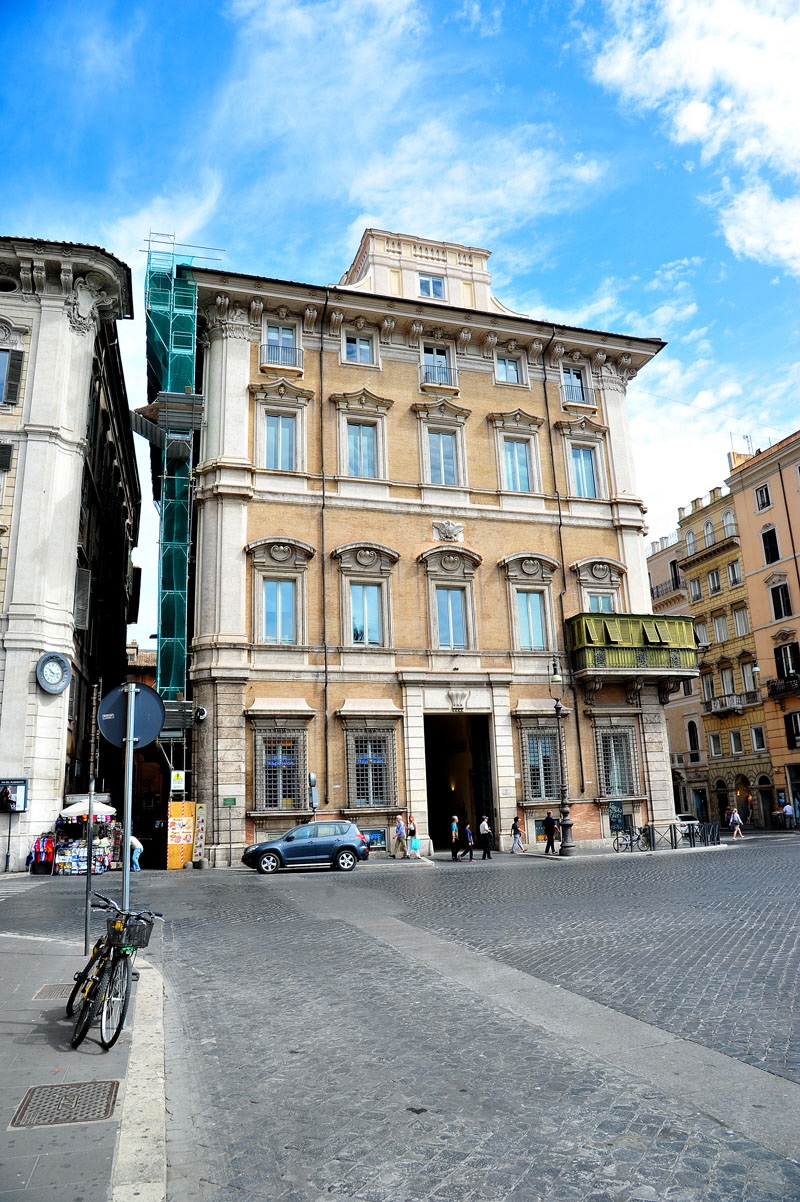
x=618, y=645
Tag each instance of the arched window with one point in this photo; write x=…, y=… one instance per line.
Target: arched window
x=728, y=523
x=691, y=542
x=708, y=533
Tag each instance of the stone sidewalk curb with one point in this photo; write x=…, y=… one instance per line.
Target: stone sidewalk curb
x=140, y=1163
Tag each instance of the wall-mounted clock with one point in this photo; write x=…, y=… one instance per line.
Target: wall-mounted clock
x=53, y=672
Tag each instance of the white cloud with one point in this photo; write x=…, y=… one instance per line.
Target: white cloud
x=480, y=17
x=723, y=75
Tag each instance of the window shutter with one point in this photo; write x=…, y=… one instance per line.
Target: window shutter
x=13, y=378
x=792, y=729
x=6, y=452
x=83, y=585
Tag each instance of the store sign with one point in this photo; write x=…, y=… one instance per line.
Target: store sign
x=616, y=817
x=13, y=794
x=178, y=784
x=199, y=832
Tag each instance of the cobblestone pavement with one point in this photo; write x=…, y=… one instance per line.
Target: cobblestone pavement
x=308, y=1059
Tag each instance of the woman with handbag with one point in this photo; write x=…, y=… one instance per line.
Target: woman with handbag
x=413, y=838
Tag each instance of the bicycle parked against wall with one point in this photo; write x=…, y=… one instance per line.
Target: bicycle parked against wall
x=104, y=983
x=628, y=840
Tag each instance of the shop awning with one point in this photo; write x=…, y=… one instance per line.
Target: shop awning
x=80, y=809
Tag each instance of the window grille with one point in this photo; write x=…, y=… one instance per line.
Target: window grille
x=540, y=763
x=371, y=768
x=617, y=763
x=281, y=775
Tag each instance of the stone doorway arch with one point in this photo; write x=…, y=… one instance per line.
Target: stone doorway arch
x=764, y=802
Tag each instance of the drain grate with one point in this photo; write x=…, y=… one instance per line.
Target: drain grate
x=78, y=1102
x=49, y=992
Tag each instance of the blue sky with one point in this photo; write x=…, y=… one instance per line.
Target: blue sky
x=633, y=166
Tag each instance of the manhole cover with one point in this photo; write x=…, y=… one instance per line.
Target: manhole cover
x=81, y=1102
x=48, y=992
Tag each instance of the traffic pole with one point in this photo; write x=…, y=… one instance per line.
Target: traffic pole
x=130, y=740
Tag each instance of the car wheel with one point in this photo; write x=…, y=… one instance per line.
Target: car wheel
x=268, y=863
x=345, y=860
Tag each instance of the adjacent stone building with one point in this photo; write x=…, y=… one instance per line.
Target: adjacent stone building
x=414, y=508
x=69, y=513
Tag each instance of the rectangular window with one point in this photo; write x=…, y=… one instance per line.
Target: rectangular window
x=601, y=603
x=442, y=450
x=707, y=686
x=358, y=350
x=451, y=617
x=701, y=633
x=371, y=772
x=695, y=590
x=280, y=442
x=736, y=742
x=366, y=616
x=734, y=573
x=280, y=345
x=530, y=613
x=361, y=442
x=687, y=688
x=431, y=286
x=508, y=370
x=281, y=783
x=573, y=385
x=714, y=585
x=757, y=738
x=763, y=499
x=10, y=376
x=435, y=366
x=583, y=471
x=726, y=680
x=741, y=620
x=769, y=540
x=279, y=611
x=781, y=601
x=540, y=766
x=518, y=473
x=715, y=743
x=792, y=724
x=787, y=660
x=748, y=677
x=720, y=628
x=617, y=770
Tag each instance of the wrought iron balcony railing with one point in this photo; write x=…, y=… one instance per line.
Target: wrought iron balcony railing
x=441, y=374
x=272, y=354
x=785, y=686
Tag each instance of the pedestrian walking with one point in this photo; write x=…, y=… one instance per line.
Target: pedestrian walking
x=400, y=847
x=136, y=851
x=551, y=829
x=728, y=812
x=485, y=832
x=789, y=820
x=413, y=838
x=469, y=843
x=736, y=823
x=516, y=837
x=454, y=840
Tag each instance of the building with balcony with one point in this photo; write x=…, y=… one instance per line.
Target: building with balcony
x=412, y=505
x=69, y=516
x=765, y=490
x=718, y=738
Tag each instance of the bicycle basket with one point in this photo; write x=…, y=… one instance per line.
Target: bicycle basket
x=128, y=932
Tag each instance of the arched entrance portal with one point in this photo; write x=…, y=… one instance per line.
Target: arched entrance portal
x=742, y=797
x=721, y=795
x=764, y=803
x=459, y=773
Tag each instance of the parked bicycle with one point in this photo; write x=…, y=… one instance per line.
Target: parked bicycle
x=627, y=840
x=104, y=983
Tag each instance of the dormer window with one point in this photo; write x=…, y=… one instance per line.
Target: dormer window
x=431, y=286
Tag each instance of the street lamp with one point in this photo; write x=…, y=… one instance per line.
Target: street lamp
x=567, y=844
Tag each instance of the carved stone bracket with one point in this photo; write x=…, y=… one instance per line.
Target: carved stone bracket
x=256, y=309
x=458, y=699
x=489, y=343
x=666, y=687
x=335, y=322
x=86, y=302
x=415, y=333
x=463, y=341
x=557, y=353
x=535, y=351
x=591, y=687
x=309, y=319
x=387, y=327
x=633, y=690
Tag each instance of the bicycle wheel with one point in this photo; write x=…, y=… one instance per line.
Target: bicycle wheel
x=115, y=1002
x=643, y=843
x=81, y=978
x=619, y=842
x=93, y=996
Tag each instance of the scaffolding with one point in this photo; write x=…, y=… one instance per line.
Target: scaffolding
x=172, y=416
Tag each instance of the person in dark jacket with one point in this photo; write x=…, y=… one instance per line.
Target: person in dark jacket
x=550, y=829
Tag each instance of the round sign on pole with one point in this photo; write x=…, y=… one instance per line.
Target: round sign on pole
x=148, y=715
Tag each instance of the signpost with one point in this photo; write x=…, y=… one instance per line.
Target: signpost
x=132, y=714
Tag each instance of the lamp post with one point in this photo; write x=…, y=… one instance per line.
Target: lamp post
x=567, y=844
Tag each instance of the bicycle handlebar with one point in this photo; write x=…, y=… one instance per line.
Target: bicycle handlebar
x=110, y=904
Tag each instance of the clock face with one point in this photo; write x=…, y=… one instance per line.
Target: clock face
x=53, y=672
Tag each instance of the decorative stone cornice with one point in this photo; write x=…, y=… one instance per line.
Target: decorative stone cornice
x=441, y=410
x=581, y=425
x=596, y=570
x=449, y=562
x=516, y=419
x=281, y=391
x=361, y=401
x=87, y=303
x=530, y=566
x=280, y=551
x=361, y=557
x=226, y=320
